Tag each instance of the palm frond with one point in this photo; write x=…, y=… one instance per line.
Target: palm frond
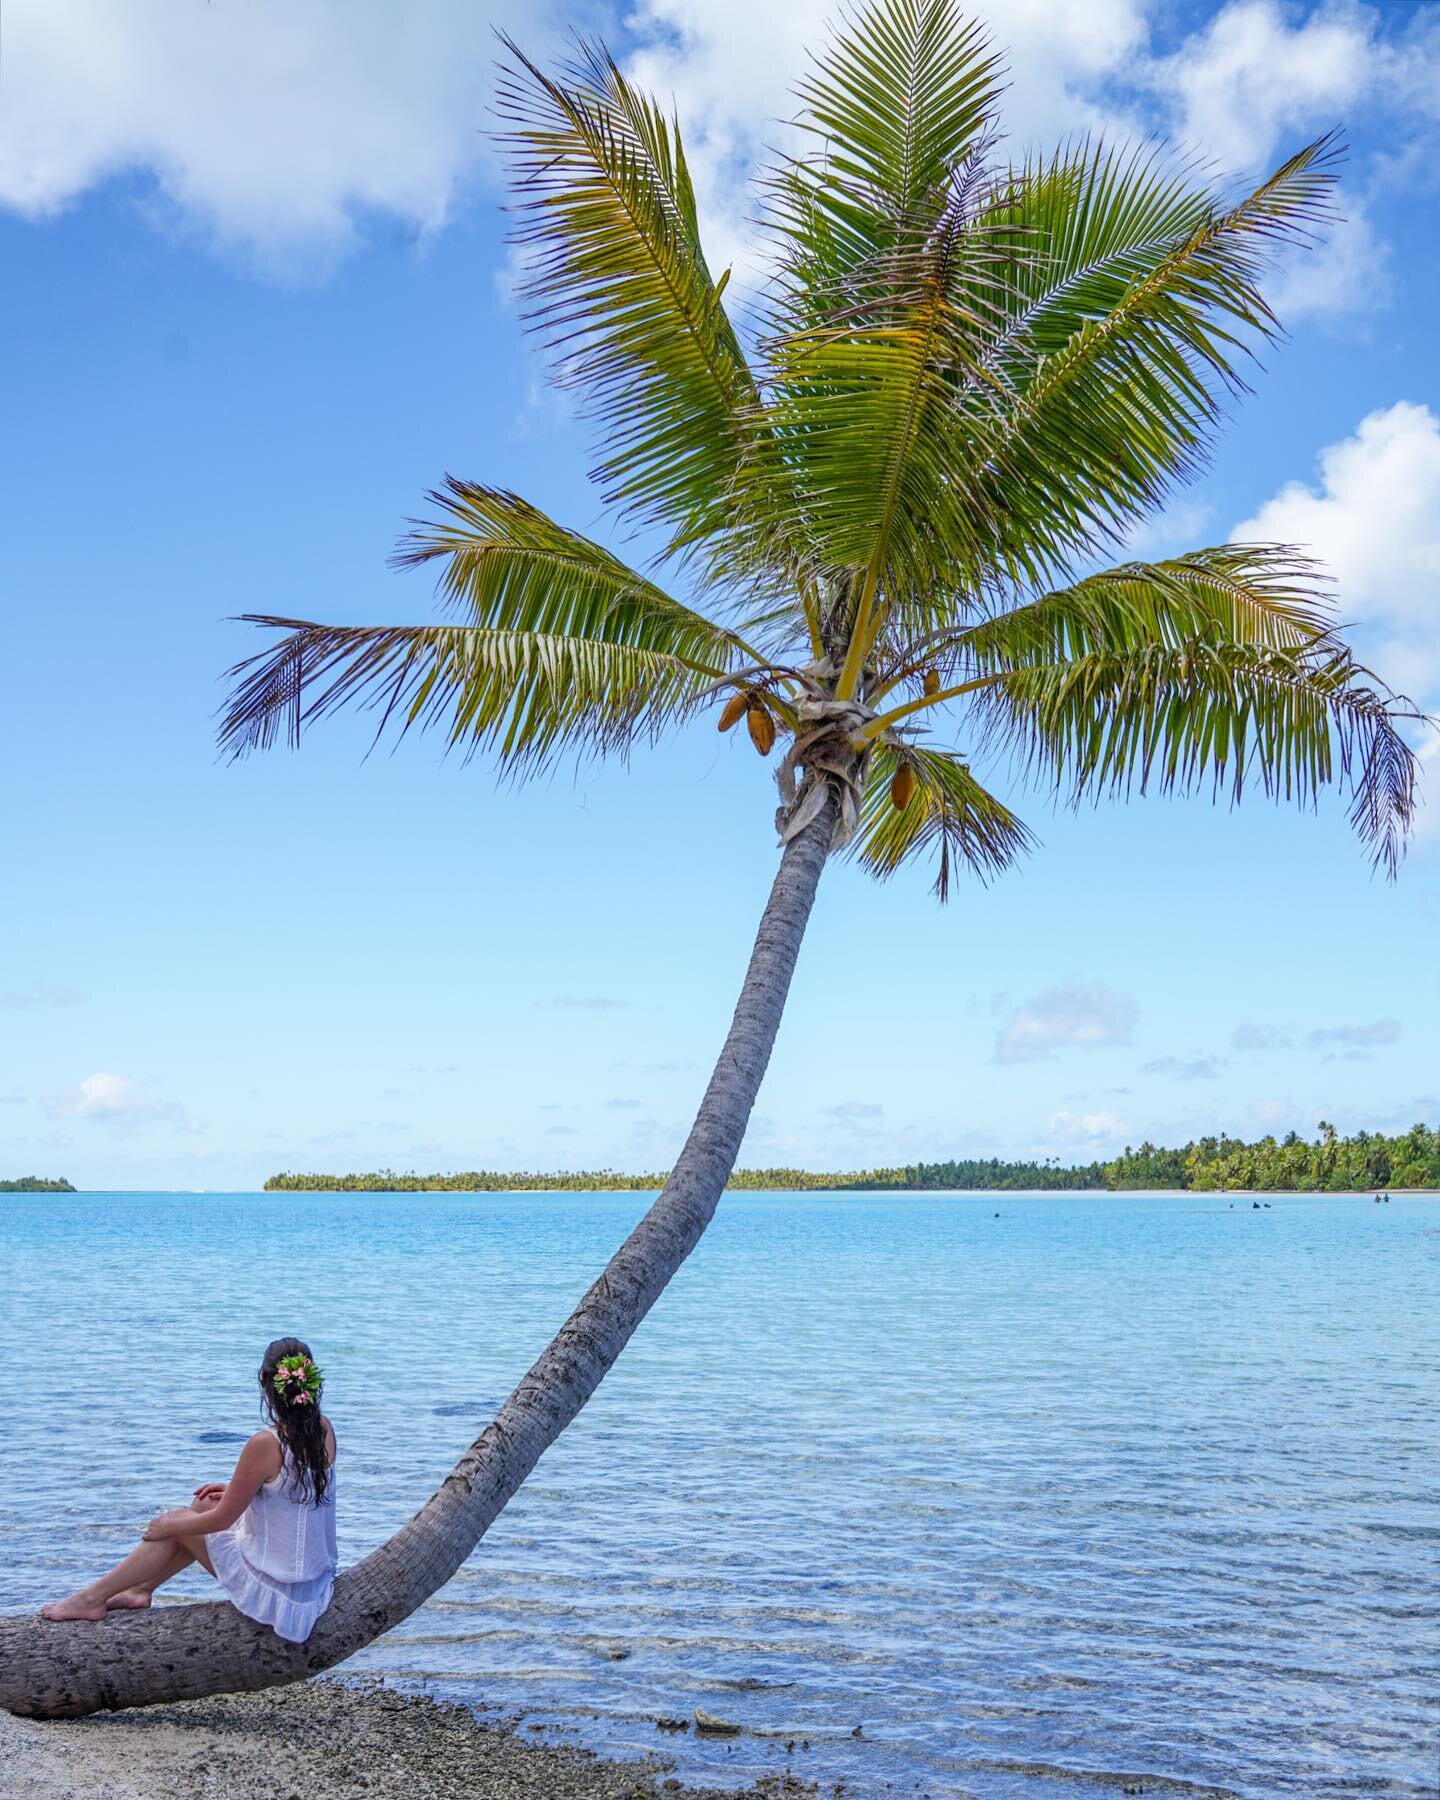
x=1269, y=595
x=565, y=647
x=900, y=102
x=1228, y=715
x=615, y=281
x=1100, y=218
x=527, y=696
x=884, y=304
x=865, y=422
x=507, y=564
x=948, y=810
x=1120, y=360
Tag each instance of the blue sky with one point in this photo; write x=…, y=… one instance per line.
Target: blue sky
x=256, y=304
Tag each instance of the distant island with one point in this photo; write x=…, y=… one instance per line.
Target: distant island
x=1292, y=1164
x=35, y=1184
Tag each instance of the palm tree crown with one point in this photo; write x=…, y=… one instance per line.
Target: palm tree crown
x=966, y=380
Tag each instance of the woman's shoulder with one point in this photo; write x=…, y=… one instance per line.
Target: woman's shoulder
x=266, y=1442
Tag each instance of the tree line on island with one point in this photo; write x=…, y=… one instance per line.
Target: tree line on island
x=1292, y=1164
x=35, y=1184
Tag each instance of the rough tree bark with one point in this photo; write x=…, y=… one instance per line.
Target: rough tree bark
x=178, y=1653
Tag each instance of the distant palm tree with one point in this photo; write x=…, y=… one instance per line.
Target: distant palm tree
x=965, y=382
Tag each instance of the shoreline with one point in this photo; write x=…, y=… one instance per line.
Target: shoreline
x=938, y=1193
x=349, y=1738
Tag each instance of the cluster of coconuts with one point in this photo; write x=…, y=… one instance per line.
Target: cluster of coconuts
x=758, y=720
x=760, y=723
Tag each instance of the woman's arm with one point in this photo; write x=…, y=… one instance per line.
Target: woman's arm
x=260, y=1461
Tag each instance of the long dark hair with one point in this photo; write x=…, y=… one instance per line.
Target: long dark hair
x=301, y=1428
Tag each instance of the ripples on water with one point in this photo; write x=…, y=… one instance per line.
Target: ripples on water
x=1101, y=1487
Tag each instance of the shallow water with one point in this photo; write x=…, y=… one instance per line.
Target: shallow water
x=1102, y=1487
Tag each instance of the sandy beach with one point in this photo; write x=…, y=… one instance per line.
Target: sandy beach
x=323, y=1741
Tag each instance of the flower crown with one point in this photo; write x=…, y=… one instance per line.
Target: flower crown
x=297, y=1380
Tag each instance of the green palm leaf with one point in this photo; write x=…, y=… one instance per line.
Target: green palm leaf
x=614, y=279
x=526, y=696
x=567, y=647
x=1290, y=720
x=1119, y=364
x=507, y=564
x=883, y=303
x=902, y=99
x=1221, y=665
x=948, y=811
x=1267, y=595
x=865, y=419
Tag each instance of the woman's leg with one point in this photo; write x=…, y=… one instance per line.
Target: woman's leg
x=183, y=1552
x=141, y=1572
x=138, y=1594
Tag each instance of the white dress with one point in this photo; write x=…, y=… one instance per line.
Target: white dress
x=277, y=1562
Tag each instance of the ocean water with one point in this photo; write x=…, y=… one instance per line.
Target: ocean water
x=1045, y=1495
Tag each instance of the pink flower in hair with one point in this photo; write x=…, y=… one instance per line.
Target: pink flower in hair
x=297, y=1380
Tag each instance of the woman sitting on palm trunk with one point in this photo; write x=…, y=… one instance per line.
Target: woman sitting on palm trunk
x=267, y=1535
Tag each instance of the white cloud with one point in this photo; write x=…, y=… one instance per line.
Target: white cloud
x=1251, y=77
x=1261, y=78
x=1373, y=520
x=273, y=125
x=1086, y=1130
x=1067, y=1017
x=119, y=1101
x=277, y=128
x=1183, y=525
x=1347, y=271
x=1259, y=73
x=285, y=128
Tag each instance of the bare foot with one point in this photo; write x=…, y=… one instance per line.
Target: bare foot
x=132, y=1600
x=77, y=1606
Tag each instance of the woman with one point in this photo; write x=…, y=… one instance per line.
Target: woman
x=267, y=1535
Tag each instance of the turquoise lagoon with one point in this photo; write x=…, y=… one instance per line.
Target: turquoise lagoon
x=1047, y=1495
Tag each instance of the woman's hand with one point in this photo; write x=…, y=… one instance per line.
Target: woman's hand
x=209, y=1494
x=167, y=1525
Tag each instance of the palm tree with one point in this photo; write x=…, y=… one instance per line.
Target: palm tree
x=883, y=514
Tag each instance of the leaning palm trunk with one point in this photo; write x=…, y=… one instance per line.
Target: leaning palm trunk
x=178, y=1653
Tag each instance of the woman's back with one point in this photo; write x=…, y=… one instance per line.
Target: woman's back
x=277, y=1562
x=287, y=1537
